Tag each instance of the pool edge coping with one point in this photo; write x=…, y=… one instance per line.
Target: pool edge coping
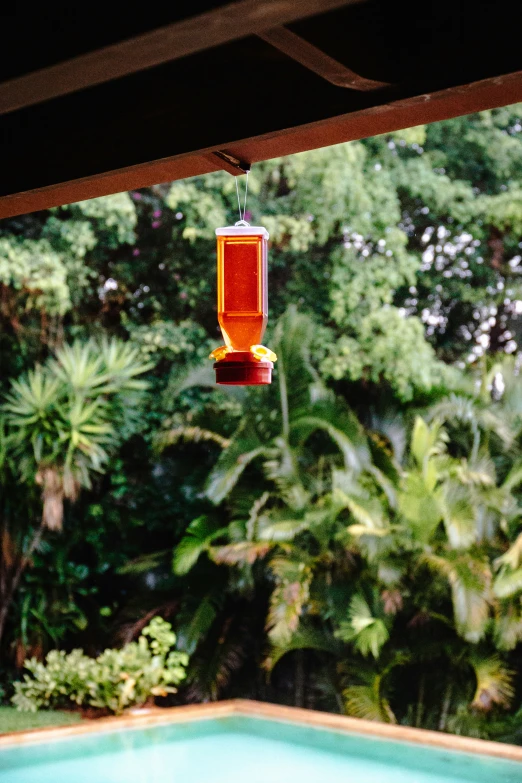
x=257, y=709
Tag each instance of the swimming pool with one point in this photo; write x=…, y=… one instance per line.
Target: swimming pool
x=240, y=746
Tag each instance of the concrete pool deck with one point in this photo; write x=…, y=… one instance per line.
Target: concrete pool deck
x=253, y=709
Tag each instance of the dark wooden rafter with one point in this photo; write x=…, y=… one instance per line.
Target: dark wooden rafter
x=498, y=91
x=318, y=61
x=88, y=109
x=227, y=23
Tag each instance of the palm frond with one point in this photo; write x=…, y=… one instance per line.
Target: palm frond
x=243, y=449
x=420, y=506
x=507, y=626
x=338, y=421
x=197, y=539
x=472, y=414
x=427, y=440
x=480, y=472
x=493, y=422
x=31, y=397
x=240, y=553
x=305, y=638
x=172, y=436
x=469, y=723
x=211, y=669
x=292, y=338
x=459, y=515
x=366, y=632
x=196, y=617
x=283, y=470
x=144, y=563
x=366, y=511
x=80, y=367
x=281, y=529
x=494, y=683
x=288, y=598
x=470, y=581
x=514, y=477
x=254, y=514
x=122, y=363
x=366, y=702
x=507, y=583
x=513, y=557
x=390, y=424
x=386, y=484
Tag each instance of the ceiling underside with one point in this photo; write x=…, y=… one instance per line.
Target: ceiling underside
x=91, y=104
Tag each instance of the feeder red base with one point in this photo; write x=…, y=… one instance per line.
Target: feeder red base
x=239, y=368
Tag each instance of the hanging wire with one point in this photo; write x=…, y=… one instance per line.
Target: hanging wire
x=242, y=214
x=246, y=193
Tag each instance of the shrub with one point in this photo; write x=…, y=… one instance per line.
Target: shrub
x=114, y=680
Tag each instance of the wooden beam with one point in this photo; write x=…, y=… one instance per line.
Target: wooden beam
x=318, y=61
x=129, y=178
x=221, y=25
x=395, y=115
x=403, y=113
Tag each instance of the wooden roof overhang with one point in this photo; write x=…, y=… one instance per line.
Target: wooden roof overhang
x=95, y=102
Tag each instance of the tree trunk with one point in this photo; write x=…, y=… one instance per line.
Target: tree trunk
x=299, y=692
x=11, y=578
x=420, y=701
x=4, y=608
x=446, y=704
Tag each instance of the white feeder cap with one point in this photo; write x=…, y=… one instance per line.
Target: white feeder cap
x=242, y=231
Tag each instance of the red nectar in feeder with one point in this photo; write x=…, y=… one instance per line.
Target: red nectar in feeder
x=242, y=306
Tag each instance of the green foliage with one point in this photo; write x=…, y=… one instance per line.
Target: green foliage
x=363, y=701
x=204, y=211
x=353, y=531
x=61, y=418
x=367, y=633
x=115, y=215
x=113, y=681
x=355, y=549
x=288, y=599
x=388, y=348
x=197, y=539
x=62, y=679
x=494, y=683
x=35, y=276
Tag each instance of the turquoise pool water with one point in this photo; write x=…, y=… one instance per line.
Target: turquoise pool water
x=243, y=750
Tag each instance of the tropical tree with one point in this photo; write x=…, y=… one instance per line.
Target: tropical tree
x=386, y=573
x=278, y=492
x=60, y=424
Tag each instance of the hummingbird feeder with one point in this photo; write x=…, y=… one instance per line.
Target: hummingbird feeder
x=242, y=305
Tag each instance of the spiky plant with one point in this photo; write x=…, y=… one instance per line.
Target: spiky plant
x=60, y=423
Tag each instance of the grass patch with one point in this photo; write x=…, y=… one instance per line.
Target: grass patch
x=12, y=720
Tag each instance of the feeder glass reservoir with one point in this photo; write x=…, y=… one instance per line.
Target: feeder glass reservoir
x=242, y=285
